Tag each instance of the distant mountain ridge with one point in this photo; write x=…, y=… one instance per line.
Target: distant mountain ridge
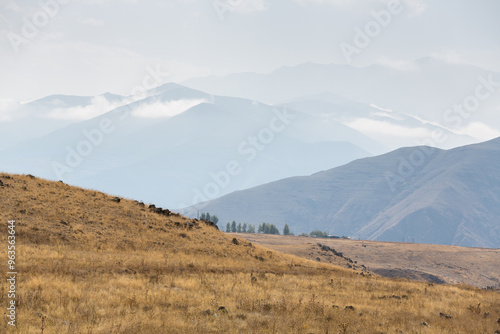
x=420, y=194
x=402, y=89
x=425, y=88
x=172, y=146
x=155, y=139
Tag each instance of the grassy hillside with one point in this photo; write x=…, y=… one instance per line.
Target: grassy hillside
x=88, y=264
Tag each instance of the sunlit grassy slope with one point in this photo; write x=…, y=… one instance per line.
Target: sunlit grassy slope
x=88, y=264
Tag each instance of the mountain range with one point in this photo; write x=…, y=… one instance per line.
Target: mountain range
x=174, y=146
x=427, y=89
x=177, y=146
x=416, y=194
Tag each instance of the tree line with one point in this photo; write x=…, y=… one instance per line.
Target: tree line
x=263, y=228
x=212, y=218
x=240, y=228
x=315, y=234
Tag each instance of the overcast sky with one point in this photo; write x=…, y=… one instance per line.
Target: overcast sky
x=88, y=47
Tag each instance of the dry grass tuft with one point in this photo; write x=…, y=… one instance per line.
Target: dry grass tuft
x=89, y=264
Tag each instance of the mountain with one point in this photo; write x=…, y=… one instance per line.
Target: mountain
x=34, y=119
x=426, y=88
x=149, y=148
x=427, y=83
x=391, y=128
x=421, y=194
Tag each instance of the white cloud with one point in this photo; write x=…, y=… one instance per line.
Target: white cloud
x=479, y=131
x=450, y=56
x=415, y=7
x=400, y=65
x=8, y=108
x=411, y=7
x=119, y=70
x=91, y=22
x=377, y=129
x=325, y=2
x=14, y=6
x=165, y=109
x=380, y=108
x=100, y=105
x=248, y=6
x=387, y=115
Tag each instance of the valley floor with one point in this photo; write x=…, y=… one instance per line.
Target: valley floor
x=479, y=267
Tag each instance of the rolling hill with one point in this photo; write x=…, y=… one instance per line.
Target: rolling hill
x=419, y=194
x=87, y=262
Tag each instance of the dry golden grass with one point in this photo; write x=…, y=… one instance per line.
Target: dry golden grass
x=90, y=265
x=452, y=264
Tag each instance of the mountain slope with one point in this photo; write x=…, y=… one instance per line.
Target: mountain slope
x=391, y=128
x=26, y=121
x=428, y=88
x=87, y=262
x=153, y=143
x=422, y=194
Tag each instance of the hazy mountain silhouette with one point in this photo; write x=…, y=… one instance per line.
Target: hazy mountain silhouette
x=416, y=194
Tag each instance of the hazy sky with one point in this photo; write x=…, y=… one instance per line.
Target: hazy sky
x=87, y=47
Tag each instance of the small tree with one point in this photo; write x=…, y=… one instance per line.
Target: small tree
x=244, y=228
x=233, y=227
x=260, y=229
x=318, y=234
x=286, y=230
x=206, y=216
x=265, y=228
x=251, y=228
x=274, y=229
x=228, y=227
x=268, y=229
x=239, y=228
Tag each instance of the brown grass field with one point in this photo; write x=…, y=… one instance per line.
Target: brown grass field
x=434, y=263
x=87, y=264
